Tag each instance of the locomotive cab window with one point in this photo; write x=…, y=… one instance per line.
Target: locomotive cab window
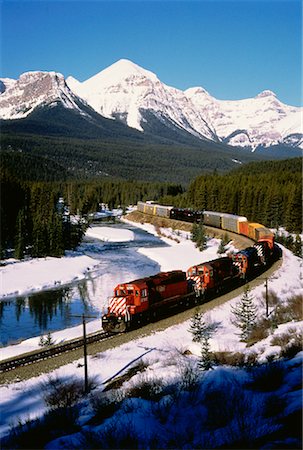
x=137, y=293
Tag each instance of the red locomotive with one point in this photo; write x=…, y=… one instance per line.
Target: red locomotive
x=212, y=276
x=141, y=300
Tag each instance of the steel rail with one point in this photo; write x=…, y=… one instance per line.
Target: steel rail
x=52, y=351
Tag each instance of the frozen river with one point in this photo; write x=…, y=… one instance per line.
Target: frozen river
x=36, y=314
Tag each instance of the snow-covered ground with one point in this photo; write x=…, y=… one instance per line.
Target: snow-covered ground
x=25, y=277
x=160, y=351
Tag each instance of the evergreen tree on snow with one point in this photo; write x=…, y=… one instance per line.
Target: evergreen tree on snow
x=198, y=235
x=201, y=332
x=244, y=314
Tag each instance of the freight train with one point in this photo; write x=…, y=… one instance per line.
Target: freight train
x=143, y=300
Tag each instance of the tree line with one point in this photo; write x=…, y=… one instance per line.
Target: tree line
x=268, y=192
x=32, y=223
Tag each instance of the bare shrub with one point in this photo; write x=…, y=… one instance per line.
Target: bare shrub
x=221, y=401
x=267, y=377
x=272, y=298
x=259, y=331
x=58, y=393
x=229, y=358
x=104, y=405
x=149, y=389
x=190, y=377
x=161, y=409
x=35, y=434
x=296, y=307
x=290, y=342
x=294, y=347
x=293, y=310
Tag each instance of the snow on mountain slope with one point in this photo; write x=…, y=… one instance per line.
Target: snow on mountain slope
x=262, y=120
x=126, y=91
x=33, y=89
x=136, y=97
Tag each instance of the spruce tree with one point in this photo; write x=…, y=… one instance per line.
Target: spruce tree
x=244, y=315
x=201, y=333
x=297, y=246
x=20, y=236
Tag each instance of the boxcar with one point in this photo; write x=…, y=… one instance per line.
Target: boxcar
x=212, y=219
x=230, y=222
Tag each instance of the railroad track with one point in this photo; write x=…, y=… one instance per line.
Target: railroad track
x=54, y=350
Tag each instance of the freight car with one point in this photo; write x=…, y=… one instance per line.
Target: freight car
x=142, y=300
x=224, y=221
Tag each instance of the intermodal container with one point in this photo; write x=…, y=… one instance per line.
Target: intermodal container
x=252, y=230
x=140, y=206
x=231, y=222
x=163, y=211
x=243, y=227
x=212, y=219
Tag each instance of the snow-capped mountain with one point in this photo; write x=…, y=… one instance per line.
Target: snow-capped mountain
x=262, y=120
x=130, y=93
x=136, y=97
x=19, y=98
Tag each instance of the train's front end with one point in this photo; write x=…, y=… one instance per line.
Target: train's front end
x=117, y=316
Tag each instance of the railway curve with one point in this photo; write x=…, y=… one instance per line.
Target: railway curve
x=35, y=363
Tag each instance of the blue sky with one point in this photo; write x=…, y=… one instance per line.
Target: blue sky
x=234, y=49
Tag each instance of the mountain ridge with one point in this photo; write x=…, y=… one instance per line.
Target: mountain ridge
x=128, y=94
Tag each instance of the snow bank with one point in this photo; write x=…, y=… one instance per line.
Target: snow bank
x=24, y=277
x=110, y=234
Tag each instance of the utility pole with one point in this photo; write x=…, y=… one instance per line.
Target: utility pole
x=266, y=296
x=86, y=389
x=85, y=356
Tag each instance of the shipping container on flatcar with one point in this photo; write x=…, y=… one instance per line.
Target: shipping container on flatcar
x=231, y=222
x=252, y=230
x=163, y=211
x=243, y=228
x=211, y=218
x=141, y=206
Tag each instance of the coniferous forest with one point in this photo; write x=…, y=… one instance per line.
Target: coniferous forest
x=35, y=223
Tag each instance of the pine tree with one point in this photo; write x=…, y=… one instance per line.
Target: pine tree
x=20, y=236
x=244, y=315
x=297, y=246
x=201, y=333
x=198, y=235
x=221, y=248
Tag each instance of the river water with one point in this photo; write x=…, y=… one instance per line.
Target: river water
x=37, y=314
